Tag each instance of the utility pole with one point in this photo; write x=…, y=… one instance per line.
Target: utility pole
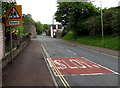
x=11, y=45
x=102, y=24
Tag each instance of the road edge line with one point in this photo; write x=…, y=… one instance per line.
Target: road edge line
x=53, y=78
x=64, y=82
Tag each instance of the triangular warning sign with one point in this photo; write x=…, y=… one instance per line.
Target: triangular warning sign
x=14, y=14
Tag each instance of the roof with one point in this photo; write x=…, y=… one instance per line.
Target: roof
x=9, y=1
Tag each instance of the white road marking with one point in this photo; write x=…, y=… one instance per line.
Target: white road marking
x=103, y=66
x=71, y=52
x=60, y=47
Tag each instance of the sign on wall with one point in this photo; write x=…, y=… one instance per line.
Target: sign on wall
x=14, y=16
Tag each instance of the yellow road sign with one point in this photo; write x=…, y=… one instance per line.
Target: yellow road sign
x=14, y=16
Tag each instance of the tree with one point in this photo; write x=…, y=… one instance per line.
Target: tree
x=73, y=14
x=3, y=10
x=38, y=26
x=45, y=27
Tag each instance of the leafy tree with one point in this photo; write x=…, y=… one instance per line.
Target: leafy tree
x=3, y=10
x=5, y=6
x=45, y=27
x=38, y=26
x=19, y=30
x=73, y=14
x=28, y=20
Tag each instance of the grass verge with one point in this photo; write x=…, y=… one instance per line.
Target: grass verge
x=109, y=41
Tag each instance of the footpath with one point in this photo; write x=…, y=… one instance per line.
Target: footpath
x=28, y=69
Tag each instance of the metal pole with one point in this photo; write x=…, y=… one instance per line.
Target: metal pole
x=102, y=24
x=11, y=46
x=52, y=26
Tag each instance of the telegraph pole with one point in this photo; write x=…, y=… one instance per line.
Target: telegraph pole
x=11, y=45
x=102, y=24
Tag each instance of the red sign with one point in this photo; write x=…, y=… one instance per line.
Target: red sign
x=59, y=26
x=69, y=66
x=54, y=26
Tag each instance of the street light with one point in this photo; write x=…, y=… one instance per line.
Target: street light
x=102, y=28
x=102, y=24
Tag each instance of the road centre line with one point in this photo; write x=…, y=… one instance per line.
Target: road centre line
x=68, y=50
x=60, y=47
x=71, y=52
x=92, y=50
x=63, y=80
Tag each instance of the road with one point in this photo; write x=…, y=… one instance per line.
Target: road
x=71, y=60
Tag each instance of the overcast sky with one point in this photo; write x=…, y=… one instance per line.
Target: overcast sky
x=43, y=10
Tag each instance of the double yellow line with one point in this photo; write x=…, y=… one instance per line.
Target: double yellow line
x=61, y=77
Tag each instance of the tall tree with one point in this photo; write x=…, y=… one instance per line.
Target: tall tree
x=73, y=14
x=39, y=28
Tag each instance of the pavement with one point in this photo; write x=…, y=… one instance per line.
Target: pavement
x=28, y=69
x=75, y=62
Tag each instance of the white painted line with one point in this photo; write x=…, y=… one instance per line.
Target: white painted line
x=88, y=74
x=49, y=62
x=103, y=66
x=60, y=47
x=71, y=52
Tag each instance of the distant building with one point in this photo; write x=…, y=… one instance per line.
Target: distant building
x=30, y=29
x=9, y=1
x=33, y=31
x=53, y=29
x=119, y=3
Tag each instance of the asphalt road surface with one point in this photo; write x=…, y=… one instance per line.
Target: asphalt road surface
x=80, y=66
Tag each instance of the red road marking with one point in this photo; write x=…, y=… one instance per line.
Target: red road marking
x=69, y=66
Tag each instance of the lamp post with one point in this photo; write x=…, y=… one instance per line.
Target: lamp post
x=102, y=24
x=102, y=28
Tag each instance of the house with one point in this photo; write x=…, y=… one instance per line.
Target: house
x=54, y=28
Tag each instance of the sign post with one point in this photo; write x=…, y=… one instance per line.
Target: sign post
x=11, y=45
x=14, y=19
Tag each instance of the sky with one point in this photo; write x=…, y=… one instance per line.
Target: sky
x=43, y=10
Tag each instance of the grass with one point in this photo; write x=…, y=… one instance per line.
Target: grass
x=109, y=41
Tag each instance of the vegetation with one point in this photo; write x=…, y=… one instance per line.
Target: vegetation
x=38, y=26
x=82, y=19
x=45, y=27
x=5, y=6
x=41, y=27
x=109, y=41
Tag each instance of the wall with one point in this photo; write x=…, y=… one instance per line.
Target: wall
x=1, y=42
